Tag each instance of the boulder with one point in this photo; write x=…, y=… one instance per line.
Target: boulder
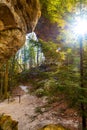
x=53, y=127
x=6, y=123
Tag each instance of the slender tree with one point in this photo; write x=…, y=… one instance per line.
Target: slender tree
x=6, y=81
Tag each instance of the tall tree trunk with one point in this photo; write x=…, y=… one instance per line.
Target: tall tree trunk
x=6, y=81
x=1, y=89
x=12, y=73
x=37, y=56
x=83, y=111
x=24, y=58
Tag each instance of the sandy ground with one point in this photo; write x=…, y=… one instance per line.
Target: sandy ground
x=25, y=114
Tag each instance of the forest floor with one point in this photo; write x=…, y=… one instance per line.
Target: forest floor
x=33, y=112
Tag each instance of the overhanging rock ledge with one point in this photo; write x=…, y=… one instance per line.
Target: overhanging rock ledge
x=17, y=17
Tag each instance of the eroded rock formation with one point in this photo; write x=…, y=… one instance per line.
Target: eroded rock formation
x=17, y=17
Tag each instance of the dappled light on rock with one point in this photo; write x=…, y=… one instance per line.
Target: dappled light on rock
x=53, y=127
x=6, y=123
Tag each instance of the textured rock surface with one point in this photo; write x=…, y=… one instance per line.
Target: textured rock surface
x=17, y=17
x=53, y=127
x=6, y=123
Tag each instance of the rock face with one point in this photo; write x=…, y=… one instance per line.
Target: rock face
x=6, y=123
x=17, y=17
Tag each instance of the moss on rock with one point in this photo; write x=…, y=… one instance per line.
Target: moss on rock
x=6, y=123
x=53, y=127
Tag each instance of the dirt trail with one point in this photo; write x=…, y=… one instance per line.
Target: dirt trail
x=24, y=112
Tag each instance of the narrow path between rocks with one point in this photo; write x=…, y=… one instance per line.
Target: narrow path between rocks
x=25, y=114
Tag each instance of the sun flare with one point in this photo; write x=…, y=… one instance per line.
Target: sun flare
x=80, y=26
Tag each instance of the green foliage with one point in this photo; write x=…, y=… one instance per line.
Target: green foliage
x=50, y=87
x=58, y=10
x=49, y=50
x=30, y=55
x=64, y=13
x=38, y=110
x=23, y=76
x=40, y=92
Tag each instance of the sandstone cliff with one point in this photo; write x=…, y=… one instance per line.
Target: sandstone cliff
x=17, y=17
